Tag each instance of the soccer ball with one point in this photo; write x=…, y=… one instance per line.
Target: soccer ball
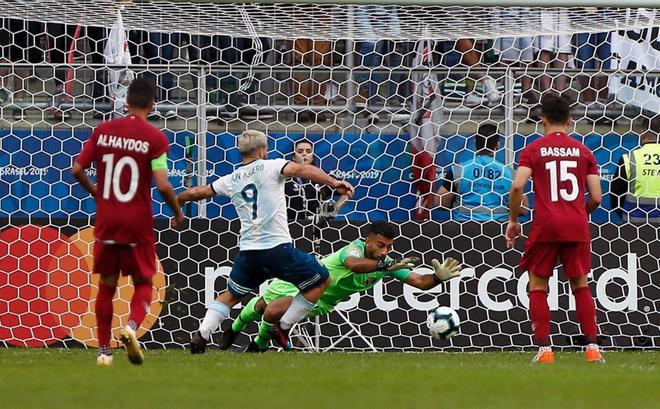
x=443, y=323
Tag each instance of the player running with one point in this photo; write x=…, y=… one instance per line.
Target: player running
x=128, y=153
x=256, y=190
x=560, y=167
x=355, y=268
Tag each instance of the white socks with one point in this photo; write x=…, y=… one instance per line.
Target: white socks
x=299, y=308
x=216, y=313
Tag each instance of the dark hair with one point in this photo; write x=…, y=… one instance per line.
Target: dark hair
x=298, y=142
x=141, y=93
x=555, y=108
x=383, y=228
x=487, y=137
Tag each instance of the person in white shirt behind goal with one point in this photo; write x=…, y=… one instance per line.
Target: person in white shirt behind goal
x=256, y=190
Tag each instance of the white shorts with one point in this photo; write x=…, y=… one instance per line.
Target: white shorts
x=560, y=44
x=555, y=21
x=513, y=49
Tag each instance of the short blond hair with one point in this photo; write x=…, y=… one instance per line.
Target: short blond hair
x=250, y=141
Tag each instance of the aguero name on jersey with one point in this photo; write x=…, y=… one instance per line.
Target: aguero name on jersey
x=257, y=192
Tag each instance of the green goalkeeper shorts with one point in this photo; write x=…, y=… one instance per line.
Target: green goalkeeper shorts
x=280, y=289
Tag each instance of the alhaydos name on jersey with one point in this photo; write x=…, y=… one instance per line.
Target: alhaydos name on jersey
x=127, y=144
x=561, y=152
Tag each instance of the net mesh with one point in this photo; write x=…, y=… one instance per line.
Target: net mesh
x=327, y=21
x=390, y=97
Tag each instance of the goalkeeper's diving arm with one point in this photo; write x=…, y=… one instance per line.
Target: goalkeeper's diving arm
x=363, y=265
x=442, y=272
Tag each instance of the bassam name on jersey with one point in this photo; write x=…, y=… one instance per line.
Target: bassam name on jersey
x=561, y=152
x=111, y=141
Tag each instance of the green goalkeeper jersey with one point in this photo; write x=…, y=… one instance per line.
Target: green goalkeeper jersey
x=344, y=282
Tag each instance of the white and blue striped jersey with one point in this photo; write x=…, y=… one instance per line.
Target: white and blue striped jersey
x=257, y=192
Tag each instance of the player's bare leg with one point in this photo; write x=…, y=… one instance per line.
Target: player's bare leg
x=471, y=57
x=301, y=305
x=103, y=312
x=217, y=312
x=539, y=314
x=586, y=314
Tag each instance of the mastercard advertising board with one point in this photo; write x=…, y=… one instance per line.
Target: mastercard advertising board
x=47, y=289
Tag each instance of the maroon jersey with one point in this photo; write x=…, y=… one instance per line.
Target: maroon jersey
x=122, y=150
x=560, y=166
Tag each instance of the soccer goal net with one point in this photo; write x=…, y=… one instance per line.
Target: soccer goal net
x=390, y=96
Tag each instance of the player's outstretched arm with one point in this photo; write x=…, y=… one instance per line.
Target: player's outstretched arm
x=79, y=174
x=442, y=272
x=515, y=203
x=317, y=175
x=194, y=194
x=363, y=265
x=595, y=193
x=165, y=188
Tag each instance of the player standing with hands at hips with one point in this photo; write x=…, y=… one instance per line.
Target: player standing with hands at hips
x=128, y=153
x=256, y=190
x=561, y=169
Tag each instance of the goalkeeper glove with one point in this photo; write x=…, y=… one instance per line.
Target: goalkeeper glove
x=392, y=265
x=449, y=269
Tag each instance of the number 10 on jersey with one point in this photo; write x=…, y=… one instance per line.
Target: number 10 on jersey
x=113, y=176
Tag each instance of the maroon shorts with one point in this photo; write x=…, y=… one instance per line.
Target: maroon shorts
x=137, y=261
x=541, y=258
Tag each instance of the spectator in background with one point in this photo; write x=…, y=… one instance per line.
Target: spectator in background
x=23, y=47
x=377, y=53
x=303, y=197
x=477, y=189
x=469, y=57
x=229, y=88
x=97, y=37
x=5, y=41
x=593, y=51
x=517, y=52
x=215, y=51
x=60, y=38
x=310, y=89
x=159, y=50
x=554, y=50
x=635, y=190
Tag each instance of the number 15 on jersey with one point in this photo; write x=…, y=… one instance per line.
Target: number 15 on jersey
x=562, y=173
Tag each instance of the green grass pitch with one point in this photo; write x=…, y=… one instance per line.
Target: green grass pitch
x=60, y=378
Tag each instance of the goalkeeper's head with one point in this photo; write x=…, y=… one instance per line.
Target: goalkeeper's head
x=140, y=97
x=253, y=145
x=379, y=238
